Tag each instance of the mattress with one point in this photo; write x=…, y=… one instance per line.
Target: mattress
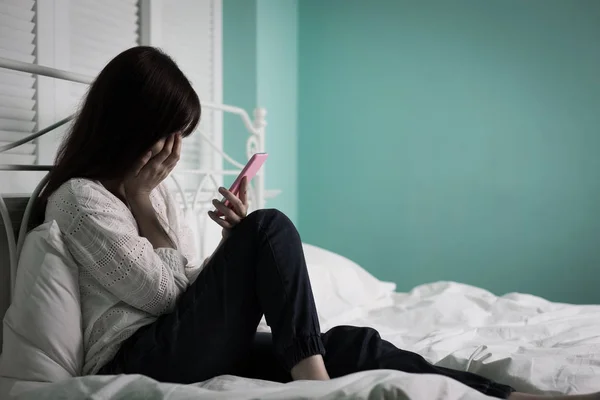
x=527, y=342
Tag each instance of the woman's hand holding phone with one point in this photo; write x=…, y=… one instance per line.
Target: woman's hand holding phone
x=237, y=210
x=234, y=206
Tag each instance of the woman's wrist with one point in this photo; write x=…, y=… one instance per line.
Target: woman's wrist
x=139, y=201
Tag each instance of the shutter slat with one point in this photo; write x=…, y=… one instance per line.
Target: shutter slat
x=80, y=69
x=11, y=136
x=99, y=30
x=24, y=4
x=19, y=79
x=15, y=55
x=18, y=24
x=16, y=102
x=16, y=91
x=17, y=36
x=109, y=47
x=92, y=64
x=188, y=38
x=16, y=12
x=108, y=13
x=16, y=125
x=23, y=149
x=85, y=44
x=17, y=113
x=89, y=26
x=9, y=44
x=116, y=42
x=124, y=6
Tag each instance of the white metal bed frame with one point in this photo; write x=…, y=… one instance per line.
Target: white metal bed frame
x=190, y=201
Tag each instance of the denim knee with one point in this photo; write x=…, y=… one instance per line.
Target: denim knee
x=268, y=218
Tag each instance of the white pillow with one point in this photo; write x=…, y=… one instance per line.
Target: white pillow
x=343, y=290
x=43, y=340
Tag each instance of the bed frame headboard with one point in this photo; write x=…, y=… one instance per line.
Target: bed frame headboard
x=14, y=209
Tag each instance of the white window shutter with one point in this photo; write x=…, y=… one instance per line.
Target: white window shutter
x=99, y=30
x=17, y=89
x=79, y=36
x=188, y=37
x=190, y=32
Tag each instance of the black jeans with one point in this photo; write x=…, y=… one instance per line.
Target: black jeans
x=260, y=269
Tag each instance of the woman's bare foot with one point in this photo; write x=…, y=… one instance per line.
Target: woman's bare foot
x=524, y=396
x=311, y=368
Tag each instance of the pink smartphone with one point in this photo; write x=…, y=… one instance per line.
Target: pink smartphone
x=249, y=171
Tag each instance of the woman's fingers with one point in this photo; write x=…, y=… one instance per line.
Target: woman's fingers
x=157, y=147
x=154, y=166
x=165, y=152
x=244, y=193
x=231, y=216
x=236, y=203
x=222, y=222
x=227, y=212
x=173, y=158
x=141, y=163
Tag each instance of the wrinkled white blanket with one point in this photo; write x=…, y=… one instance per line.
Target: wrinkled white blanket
x=524, y=341
x=521, y=340
x=366, y=385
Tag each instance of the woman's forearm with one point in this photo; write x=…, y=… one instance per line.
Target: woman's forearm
x=149, y=224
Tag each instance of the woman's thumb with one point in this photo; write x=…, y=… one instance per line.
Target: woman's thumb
x=141, y=163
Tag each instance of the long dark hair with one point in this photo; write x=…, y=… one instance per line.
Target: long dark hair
x=140, y=97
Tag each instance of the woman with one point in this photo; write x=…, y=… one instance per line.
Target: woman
x=147, y=306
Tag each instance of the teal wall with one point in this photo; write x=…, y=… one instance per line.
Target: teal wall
x=277, y=82
x=260, y=69
x=239, y=71
x=454, y=140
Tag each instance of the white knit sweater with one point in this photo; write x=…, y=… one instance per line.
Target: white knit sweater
x=125, y=283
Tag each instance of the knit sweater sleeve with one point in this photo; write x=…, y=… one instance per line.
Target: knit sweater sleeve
x=103, y=239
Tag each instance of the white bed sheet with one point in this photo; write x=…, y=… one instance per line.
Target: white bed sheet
x=372, y=385
x=529, y=343
x=534, y=345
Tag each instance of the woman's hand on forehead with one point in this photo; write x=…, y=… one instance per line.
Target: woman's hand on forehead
x=158, y=146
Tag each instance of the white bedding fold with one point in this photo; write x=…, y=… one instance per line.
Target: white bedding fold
x=366, y=385
x=521, y=340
